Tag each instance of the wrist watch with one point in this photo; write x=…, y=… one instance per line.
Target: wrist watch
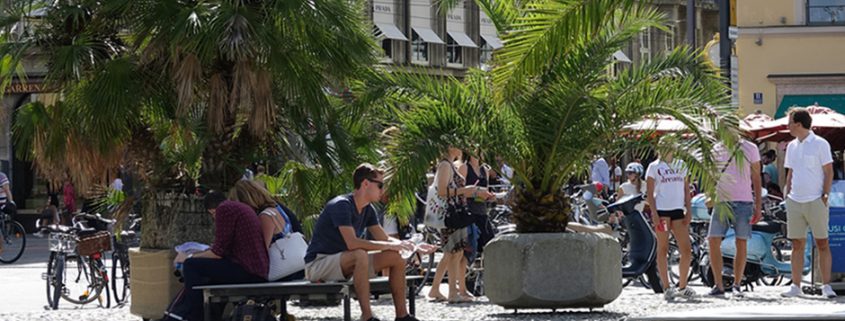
x=189, y=256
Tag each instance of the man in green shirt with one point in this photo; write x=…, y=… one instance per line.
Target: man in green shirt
x=770, y=167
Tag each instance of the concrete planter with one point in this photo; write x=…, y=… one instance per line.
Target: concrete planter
x=153, y=282
x=552, y=270
x=169, y=219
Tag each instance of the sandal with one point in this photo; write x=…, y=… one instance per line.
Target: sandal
x=460, y=299
x=438, y=298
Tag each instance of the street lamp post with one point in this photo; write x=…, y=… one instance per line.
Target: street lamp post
x=691, y=23
x=724, y=39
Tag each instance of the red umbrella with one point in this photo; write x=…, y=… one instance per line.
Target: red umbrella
x=827, y=123
x=753, y=123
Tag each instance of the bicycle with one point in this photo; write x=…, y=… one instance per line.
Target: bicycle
x=120, y=259
x=12, y=239
x=77, y=249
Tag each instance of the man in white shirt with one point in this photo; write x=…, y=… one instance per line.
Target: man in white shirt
x=601, y=172
x=807, y=188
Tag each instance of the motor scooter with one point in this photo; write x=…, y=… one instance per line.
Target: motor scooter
x=767, y=256
x=642, y=242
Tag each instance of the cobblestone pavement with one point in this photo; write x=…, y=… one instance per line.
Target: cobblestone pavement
x=634, y=302
x=22, y=297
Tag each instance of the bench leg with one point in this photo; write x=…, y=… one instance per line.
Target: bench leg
x=283, y=305
x=347, y=309
x=412, y=306
x=206, y=304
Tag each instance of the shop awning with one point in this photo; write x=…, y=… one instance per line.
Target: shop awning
x=621, y=57
x=390, y=31
x=462, y=39
x=835, y=102
x=493, y=41
x=428, y=35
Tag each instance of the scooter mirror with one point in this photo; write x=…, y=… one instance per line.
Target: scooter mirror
x=764, y=192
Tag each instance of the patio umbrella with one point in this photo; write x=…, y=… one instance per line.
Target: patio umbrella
x=659, y=124
x=753, y=123
x=827, y=123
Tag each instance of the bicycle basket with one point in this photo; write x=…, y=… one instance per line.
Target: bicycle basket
x=61, y=242
x=97, y=242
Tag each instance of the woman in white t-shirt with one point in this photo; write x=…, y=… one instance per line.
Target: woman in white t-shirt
x=668, y=195
x=635, y=184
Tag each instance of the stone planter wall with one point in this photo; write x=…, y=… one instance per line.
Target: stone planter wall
x=553, y=270
x=171, y=218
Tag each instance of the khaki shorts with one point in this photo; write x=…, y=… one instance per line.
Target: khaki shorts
x=799, y=216
x=327, y=268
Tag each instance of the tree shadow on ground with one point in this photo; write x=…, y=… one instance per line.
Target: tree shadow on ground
x=569, y=315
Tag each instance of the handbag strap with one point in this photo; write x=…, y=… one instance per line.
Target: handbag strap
x=286, y=229
x=730, y=159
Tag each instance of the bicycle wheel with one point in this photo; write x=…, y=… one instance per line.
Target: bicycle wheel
x=83, y=284
x=119, y=277
x=782, y=252
x=55, y=281
x=427, y=272
x=14, y=241
x=675, y=261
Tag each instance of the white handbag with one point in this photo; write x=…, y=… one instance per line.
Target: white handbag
x=286, y=252
x=435, y=209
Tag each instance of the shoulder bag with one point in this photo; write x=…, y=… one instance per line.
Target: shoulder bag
x=287, y=250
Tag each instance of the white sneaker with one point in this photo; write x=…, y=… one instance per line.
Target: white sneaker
x=794, y=291
x=828, y=292
x=686, y=293
x=737, y=292
x=669, y=294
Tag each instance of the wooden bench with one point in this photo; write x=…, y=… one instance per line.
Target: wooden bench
x=283, y=291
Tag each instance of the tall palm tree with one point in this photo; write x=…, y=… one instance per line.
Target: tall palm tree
x=188, y=92
x=549, y=104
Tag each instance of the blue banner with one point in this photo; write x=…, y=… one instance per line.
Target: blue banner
x=837, y=238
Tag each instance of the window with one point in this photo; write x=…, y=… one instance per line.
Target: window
x=486, y=52
x=453, y=51
x=419, y=48
x=387, y=46
x=645, y=45
x=826, y=12
x=669, y=40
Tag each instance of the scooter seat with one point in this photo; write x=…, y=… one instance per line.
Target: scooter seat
x=766, y=227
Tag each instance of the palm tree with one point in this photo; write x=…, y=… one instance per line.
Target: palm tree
x=187, y=92
x=548, y=104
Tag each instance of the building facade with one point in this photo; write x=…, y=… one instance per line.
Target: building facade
x=412, y=33
x=790, y=52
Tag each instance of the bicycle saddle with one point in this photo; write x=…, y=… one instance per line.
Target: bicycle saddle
x=766, y=227
x=57, y=228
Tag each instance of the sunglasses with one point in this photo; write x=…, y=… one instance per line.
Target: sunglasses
x=380, y=184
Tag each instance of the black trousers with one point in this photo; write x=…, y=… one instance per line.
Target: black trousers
x=203, y=271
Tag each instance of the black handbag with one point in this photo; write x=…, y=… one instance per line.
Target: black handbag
x=252, y=311
x=458, y=214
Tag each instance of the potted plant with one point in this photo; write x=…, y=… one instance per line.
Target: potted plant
x=546, y=107
x=184, y=94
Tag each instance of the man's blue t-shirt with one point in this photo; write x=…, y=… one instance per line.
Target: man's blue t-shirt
x=340, y=211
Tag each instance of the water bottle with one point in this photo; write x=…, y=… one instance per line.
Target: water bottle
x=416, y=238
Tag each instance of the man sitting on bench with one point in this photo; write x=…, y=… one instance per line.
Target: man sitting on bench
x=338, y=248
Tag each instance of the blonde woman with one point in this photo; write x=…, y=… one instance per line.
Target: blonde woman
x=275, y=220
x=452, y=186
x=668, y=194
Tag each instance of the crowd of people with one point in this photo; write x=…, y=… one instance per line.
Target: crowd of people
x=809, y=168
x=349, y=242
